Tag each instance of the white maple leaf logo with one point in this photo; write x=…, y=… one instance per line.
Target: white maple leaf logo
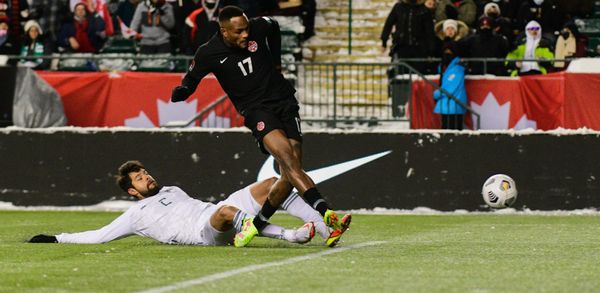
x=176, y=112
x=496, y=116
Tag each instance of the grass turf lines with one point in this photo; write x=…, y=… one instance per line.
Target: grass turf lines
x=447, y=253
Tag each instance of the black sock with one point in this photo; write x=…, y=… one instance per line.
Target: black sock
x=261, y=220
x=315, y=200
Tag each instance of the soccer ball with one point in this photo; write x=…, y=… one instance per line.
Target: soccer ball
x=499, y=191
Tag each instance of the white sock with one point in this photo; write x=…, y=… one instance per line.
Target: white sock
x=297, y=207
x=278, y=232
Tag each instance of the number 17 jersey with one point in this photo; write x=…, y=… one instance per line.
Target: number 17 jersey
x=249, y=76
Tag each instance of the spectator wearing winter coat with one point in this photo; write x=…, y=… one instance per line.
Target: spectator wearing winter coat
x=34, y=45
x=545, y=12
x=503, y=5
x=486, y=43
x=84, y=33
x=8, y=45
x=154, y=20
x=432, y=6
x=533, y=46
x=450, y=30
x=500, y=24
x=412, y=26
x=452, y=80
x=463, y=10
x=569, y=44
x=200, y=26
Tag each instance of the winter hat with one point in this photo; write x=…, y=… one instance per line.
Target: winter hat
x=450, y=23
x=489, y=6
x=32, y=23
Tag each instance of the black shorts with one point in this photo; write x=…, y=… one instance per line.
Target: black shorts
x=262, y=120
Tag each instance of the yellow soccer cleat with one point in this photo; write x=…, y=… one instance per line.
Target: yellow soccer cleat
x=246, y=235
x=336, y=234
x=331, y=219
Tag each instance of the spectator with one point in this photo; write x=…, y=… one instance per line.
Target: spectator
x=503, y=5
x=413, y=37
x=501, y=25
x=153, y=20
x=84, y=34
x=181, y=10
x=570, y=43
x=125, y=11
x=34, y=45
x=463, y=10
x=8, y=45
x=486, y=43
x=450, y=30
x=201, y=25
x=16, y=11
x=50, y=14
x=99, y=7
x=545, y=12
x=533, y=46
x=432, y=6
x=452, y=80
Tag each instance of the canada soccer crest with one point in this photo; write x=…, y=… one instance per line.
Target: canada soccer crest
x=252, y=46
x=260, y=126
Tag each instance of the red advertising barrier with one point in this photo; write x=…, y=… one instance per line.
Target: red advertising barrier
x=131, y=98
x=567, y=100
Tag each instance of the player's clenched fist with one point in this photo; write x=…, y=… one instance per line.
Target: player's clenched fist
x=180, y=93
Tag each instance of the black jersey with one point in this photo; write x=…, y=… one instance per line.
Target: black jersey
x=249, y=76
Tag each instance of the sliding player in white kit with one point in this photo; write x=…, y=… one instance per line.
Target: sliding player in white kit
x=167, y=214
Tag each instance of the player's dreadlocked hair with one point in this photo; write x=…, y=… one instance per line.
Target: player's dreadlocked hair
x=228, y=12
x=123, y=179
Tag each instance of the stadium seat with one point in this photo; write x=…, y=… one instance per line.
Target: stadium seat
x=118, y=44
x=590, y=27
x=78, y=64
x=155, y=64
x=596, y=9
x=593, y=47
x=290, y=42
x=124, y=63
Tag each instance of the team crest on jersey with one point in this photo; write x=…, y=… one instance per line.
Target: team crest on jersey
x=260, y=126
x=192, y=65
x=252, y=46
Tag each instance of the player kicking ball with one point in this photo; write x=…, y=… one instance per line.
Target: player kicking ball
x=245, y=57
x=167, y=214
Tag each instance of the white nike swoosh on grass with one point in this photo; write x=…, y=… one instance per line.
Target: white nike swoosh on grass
x=319, y=175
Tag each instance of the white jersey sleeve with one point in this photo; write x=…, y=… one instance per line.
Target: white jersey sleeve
x=119, y=228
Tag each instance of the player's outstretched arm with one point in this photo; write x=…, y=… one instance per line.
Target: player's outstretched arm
x=41, y=238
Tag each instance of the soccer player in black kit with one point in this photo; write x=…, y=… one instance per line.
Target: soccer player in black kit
x=245, y=56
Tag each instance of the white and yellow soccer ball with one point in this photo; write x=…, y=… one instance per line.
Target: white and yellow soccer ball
x=499, y=191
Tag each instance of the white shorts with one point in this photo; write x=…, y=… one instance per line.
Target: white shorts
x=241, y=199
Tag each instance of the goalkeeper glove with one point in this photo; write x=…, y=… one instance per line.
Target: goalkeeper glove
x=41, y=238
x=180, y=93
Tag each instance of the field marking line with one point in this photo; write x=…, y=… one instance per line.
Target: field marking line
x=250, y=268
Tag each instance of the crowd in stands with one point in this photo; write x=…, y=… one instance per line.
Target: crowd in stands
x=502, y=29
x=42, y=27
x=511, y=29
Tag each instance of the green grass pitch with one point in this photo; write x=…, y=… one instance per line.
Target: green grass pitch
x=435, y=253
